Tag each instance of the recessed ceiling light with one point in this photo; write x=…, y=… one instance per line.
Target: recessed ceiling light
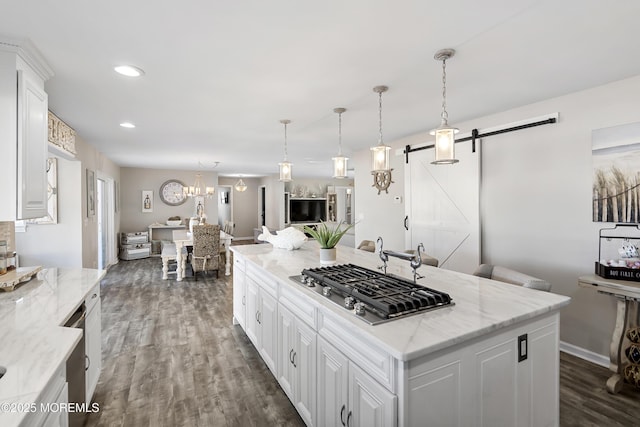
x=129, y=70
x=127, y=125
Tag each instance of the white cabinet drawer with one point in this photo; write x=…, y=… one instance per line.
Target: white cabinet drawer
x=375, y=361
x=264, y=279
x=238, y=262
x=299, y=305
x=92, y=297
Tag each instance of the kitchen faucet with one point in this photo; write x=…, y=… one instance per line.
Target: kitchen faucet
x=415, y=260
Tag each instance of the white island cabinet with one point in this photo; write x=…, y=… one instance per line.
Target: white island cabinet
x=261, y=326
x=491, y=359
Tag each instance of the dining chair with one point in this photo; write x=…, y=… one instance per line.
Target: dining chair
x=206, y=248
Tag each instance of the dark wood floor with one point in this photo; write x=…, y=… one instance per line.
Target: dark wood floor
x=172, y=358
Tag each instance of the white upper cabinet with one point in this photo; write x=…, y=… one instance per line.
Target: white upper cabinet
x=32, y=148
x=23, y=130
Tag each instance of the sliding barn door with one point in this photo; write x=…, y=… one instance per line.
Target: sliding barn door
x=443, y=207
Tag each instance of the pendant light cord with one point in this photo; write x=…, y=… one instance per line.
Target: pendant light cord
x=380, y=117
x=444, y=114
x=340, y=134
x=285, y=142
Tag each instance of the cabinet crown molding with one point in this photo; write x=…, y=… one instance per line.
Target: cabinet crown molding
x=29, y=53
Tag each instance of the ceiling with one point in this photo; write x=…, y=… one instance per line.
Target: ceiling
x=220, y=75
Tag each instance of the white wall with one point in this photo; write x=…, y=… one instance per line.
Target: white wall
x=376, y=215
x=73, y=241
x=535, y=200
x=58, y=245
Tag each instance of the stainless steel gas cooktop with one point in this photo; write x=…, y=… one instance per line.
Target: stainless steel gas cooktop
x=371, y=295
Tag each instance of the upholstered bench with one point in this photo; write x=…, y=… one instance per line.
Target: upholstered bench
x=507, y=275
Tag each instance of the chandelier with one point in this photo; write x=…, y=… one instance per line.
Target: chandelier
x=240, y=186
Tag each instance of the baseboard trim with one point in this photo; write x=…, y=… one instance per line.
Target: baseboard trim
x=585, y=354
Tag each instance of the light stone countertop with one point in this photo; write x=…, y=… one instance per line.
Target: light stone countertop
x=33, y=343
x=481, y=305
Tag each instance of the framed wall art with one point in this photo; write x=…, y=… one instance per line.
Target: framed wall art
x=616, y=174
x=52, y=194
x=147, y=200
x=91, y=193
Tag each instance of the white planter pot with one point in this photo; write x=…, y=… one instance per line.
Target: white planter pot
x=327, y=256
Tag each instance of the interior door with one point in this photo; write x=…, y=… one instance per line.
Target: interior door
x=443, y=207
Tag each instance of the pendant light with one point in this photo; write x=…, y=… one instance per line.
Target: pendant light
x=285, y=166
x=240, y=186
x=445, y=140
x=340, y=161
x=380, y=153
x=199, y=188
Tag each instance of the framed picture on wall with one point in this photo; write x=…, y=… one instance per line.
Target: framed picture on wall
x=116, y=196
x=616, y=182
x=198, y=206
x=91, y=193
x=147, y=200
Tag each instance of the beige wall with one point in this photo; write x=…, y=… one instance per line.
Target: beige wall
x=245, y=206
x=135, y=180
x=535, y=200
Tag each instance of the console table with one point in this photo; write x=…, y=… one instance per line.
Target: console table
x=163, y=227
x=627, y=295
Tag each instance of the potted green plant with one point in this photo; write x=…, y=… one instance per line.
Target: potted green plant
x=328, y=237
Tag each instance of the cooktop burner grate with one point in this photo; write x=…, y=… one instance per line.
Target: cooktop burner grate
x=385, y=296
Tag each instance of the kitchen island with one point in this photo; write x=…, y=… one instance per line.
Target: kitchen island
x=35, y=345
x=489, y=359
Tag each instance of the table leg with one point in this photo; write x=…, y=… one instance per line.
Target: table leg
x=179, y=263
x=165, y=268
x=227, y=258
x=614, y=383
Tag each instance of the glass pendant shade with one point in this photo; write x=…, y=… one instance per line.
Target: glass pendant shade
x=240, y=186
x=340, y=166
x=445, y=145
x=285, y=171
x=380, y=158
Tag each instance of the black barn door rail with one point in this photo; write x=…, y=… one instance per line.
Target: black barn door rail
x=475, y=135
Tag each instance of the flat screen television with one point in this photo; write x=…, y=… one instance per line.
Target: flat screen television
x=307, y=210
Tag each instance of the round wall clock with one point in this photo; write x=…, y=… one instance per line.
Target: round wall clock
x=171, y=192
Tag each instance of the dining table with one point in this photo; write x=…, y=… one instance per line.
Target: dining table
x=184, y=238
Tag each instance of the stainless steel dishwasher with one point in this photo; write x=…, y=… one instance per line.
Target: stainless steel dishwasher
x=76, y=369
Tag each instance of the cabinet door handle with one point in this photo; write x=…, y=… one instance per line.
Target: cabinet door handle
x=94, y=296
x=349, y=419
x=243, y=300
x=406, y=219
x=294, y=359
x=291, y=356
x=257, y=318
x=88, y=362
x=342, y=414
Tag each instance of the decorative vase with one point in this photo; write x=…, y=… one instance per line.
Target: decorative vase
x=327, y=256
